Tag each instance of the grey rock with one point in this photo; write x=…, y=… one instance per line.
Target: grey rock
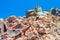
x=55, y=11
x=14, y=32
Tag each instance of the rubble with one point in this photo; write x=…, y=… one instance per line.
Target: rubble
x=36, y=25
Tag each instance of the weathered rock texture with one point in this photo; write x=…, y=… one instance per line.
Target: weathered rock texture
x=34, y=27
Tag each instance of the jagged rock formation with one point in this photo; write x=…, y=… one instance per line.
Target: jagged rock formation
x=36, y=12
x=55, y=11
x=36, y=25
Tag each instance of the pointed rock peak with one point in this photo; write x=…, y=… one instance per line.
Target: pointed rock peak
x=38, y=9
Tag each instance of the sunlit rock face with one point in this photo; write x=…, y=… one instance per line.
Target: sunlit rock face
x=1, y=26
x=36, y=25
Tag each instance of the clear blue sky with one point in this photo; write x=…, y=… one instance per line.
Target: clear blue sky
x=19, y=7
